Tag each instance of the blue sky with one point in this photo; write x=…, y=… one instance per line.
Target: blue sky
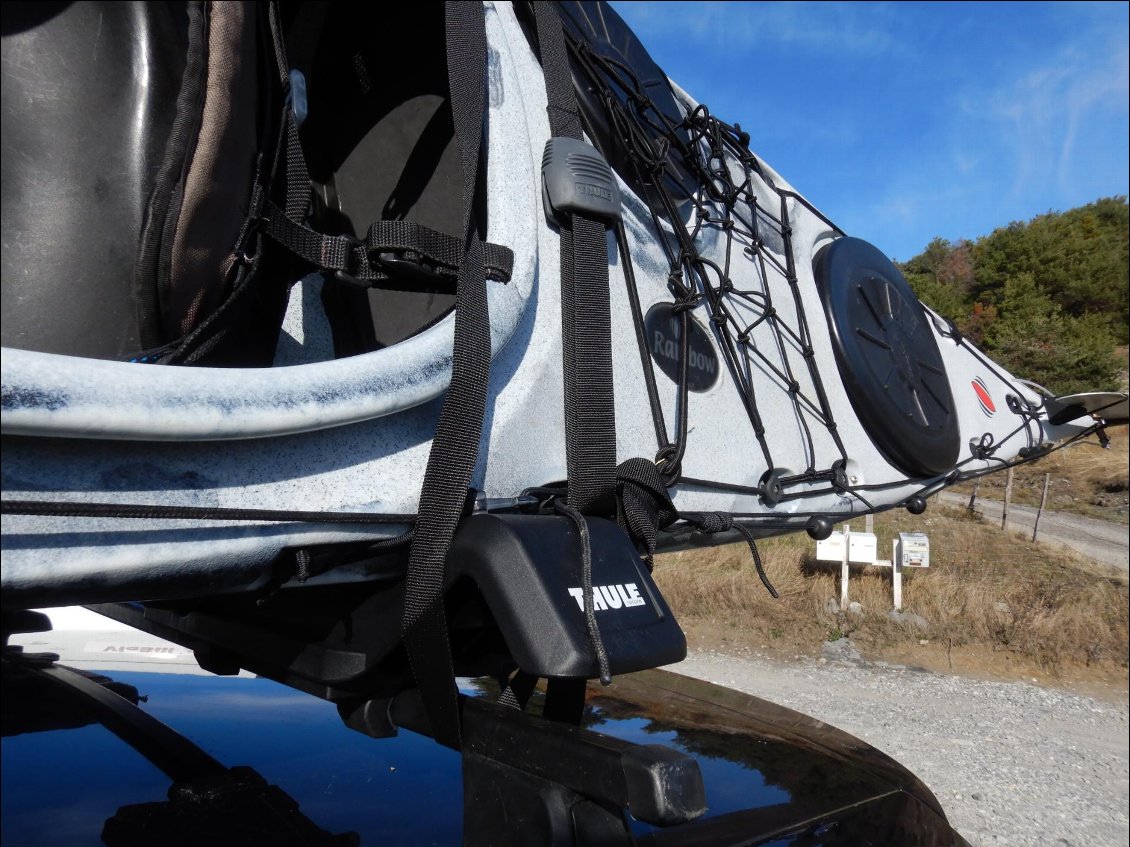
x=906, y=121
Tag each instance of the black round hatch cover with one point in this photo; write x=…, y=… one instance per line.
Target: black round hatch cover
x=664, y=333
x=888, y=357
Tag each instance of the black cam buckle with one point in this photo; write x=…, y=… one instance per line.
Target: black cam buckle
x=397, y=268
x=577, y=179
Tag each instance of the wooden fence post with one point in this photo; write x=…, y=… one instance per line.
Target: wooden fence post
x=973, y=497
x=1043, y=500
x=1007, y=499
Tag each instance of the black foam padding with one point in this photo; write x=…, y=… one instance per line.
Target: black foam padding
x=888, y=358
x=89, y=97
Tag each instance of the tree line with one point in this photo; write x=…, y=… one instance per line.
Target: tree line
x=1049, y=298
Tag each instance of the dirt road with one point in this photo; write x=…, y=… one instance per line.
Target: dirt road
x=1102, y=541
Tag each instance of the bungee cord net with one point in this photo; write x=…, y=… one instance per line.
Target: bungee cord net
x=700, y=169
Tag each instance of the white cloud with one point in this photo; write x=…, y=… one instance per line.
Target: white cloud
x=1041, y=114
x=847, y=27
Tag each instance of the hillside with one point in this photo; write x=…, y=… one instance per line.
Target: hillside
x=1049, y=298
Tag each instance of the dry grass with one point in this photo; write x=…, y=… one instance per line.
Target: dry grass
x=985, y=590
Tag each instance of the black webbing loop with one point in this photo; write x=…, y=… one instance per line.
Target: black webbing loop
x=456, y=444
x=387, y=248
x=643, y=505
x=586, y=321
x=646, y=507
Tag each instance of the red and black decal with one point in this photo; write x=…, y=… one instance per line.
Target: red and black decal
x=984, y=398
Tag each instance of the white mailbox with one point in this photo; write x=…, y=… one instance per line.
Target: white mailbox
x=912, y=550
x=863, y=548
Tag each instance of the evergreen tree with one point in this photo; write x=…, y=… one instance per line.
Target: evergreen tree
x=1049, y=298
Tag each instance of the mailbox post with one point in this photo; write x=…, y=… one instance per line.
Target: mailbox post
x=847, y=548
x=909, y=550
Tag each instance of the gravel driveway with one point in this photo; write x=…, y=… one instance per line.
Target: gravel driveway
x=1012, y=764
x=1103, y=541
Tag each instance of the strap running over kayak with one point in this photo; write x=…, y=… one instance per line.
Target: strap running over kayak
x=456, y=444
x=586, y=323
x=580, y=193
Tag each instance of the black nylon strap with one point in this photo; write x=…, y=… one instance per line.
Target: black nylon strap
x=590, y=414
x=564, y=114
x=456, y=444
x=439, y=253
x=157, y=511
x=586, y=321
x=297, y=176
x=516, y=693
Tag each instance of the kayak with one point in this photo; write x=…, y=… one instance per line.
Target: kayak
x=765, y=365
